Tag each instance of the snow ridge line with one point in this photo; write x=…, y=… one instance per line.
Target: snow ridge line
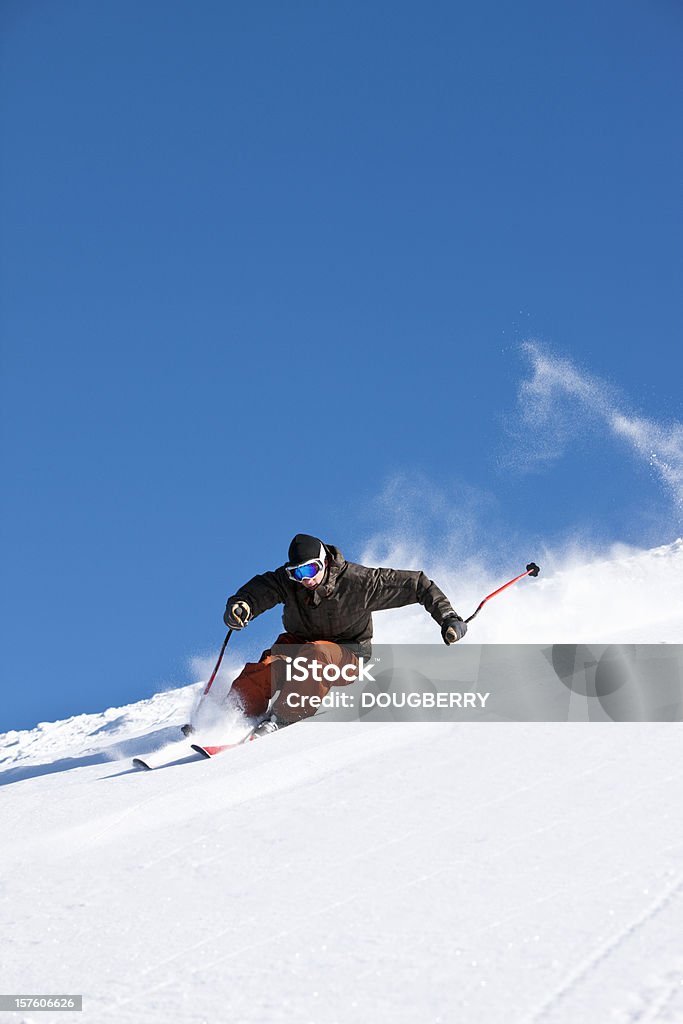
x=606, y=948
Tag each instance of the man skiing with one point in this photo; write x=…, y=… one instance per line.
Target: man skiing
x=328, y=604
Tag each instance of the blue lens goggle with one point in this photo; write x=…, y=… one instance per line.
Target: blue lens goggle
x=306, y=571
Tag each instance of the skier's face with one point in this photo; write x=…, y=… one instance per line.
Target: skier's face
x=314, y=581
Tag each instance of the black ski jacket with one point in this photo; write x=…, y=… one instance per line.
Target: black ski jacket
x=340, y=608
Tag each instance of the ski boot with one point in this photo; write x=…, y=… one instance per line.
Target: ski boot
x=268, y=725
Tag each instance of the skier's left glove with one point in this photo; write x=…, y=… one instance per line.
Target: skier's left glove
x=453, y=629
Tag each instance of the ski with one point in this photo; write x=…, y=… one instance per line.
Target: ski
x=181, y=750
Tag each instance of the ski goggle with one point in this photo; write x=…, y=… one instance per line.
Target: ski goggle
x=305, y=571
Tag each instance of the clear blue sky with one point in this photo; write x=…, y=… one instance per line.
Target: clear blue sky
x=259, y=257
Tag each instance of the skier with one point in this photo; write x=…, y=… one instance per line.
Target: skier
x=328, y=604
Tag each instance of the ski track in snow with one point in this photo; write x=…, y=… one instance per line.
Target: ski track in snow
x=667, y=901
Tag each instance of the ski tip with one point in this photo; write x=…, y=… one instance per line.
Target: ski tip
x=204, y=751
x=211, y=751
x=139, y=763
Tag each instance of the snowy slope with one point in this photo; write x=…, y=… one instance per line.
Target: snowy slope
x=348, y=872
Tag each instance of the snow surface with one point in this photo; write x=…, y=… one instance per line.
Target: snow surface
x=512, y=873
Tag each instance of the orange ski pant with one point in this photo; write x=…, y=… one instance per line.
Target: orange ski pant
x=258, y=681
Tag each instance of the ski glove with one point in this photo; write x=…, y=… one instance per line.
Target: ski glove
x=453, y=630
x=238, y=615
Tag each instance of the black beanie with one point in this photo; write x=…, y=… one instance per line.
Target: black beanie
x=303, y=548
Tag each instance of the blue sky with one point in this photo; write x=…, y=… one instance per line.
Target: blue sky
x=261, y=260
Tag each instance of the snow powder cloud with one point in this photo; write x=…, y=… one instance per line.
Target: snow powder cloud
x=559, y=400
x=618, y=595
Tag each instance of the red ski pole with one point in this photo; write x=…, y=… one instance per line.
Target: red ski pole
x=218, y=663
x=188, y=729
x=531, y=570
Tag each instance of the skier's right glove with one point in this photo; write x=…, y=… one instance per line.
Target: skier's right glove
x=453, y=629
x=237, y=615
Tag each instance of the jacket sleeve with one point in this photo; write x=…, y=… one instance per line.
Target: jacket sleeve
x=395, y=588
x=261, y=593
